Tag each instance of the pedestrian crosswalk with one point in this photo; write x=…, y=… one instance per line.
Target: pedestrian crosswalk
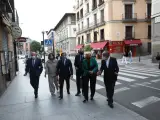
x=131, y=75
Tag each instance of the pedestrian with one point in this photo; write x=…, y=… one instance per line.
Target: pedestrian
x=90, y=68
x=79, y=71
x=158, y=58
x=34, y=68
x=124, y=58
x=130, y=56
x=26, y=60
x=65, y=72
x=110, y=67
x=50, y=70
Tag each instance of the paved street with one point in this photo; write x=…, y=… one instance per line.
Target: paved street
x=137, y=88
x=18, y=103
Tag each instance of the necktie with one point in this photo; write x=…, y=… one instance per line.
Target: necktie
x=33, y=63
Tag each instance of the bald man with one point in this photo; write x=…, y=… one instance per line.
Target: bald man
x=34, y=68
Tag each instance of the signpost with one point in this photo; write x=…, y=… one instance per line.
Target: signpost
x=48, y=42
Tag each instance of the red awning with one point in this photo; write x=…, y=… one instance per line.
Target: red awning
x=133, y=42
x=79, y=46
x=22, y=39
x=98, y=45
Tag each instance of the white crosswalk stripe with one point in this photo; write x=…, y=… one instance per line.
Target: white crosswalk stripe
x=132, y=75
x=143, y=69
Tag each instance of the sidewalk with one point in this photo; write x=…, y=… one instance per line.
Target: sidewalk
x=18, y=103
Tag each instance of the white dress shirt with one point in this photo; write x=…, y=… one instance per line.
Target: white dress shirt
x=107, y=62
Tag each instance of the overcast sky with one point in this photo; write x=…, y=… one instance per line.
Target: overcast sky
x=38, y=15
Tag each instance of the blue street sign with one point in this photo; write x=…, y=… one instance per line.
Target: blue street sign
x=48, y=42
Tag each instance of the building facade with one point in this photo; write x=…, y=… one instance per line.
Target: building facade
x=115, y=25
x=155, y=28
x=65, y=34
x=50, y=35
x=8, y=53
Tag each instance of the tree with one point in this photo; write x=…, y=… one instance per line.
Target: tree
x=35, y=46
x=87, y=48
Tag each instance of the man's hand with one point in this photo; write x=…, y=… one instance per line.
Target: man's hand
x=99, y=73
x=91, y=72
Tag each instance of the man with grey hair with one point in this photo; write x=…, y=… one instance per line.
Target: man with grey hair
x=110, y=67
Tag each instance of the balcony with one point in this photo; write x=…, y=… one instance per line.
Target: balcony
x=94, y=7
x=129, y=0
x=147, y=18
x=129, y=17
x=101, y=3
x=148, y=1
x=129, y=36
x=81, y=3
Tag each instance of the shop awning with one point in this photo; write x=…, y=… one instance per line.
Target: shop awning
x=98, y=45
x=79, y=46
x=133, y=42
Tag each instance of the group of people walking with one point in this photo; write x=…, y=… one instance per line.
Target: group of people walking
x=127, y=57
x=87, y=71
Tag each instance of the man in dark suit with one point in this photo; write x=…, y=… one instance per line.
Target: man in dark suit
x=65, y=71
x=78, y=66
x=34, y=68
x=110, y=67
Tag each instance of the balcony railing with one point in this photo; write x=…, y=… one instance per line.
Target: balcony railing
x=129, y=17
x=91, y=26
x=129, y=0
x=81, y=2
x=129, y=36
x=94, y=7
x=148, y=18
x=101, y=3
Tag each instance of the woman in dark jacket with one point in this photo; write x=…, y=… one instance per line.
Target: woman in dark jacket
x=90, y=68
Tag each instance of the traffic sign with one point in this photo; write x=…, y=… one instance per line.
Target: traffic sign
x=48, y=42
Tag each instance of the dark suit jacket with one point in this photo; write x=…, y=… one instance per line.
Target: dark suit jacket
x=109, y=73
x=64, y=70
x=35, y=70
x=78, y=63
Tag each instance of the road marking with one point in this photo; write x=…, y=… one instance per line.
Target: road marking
x=146, y=74
x=141, y=69
x=101, y=79
x=132, y=75
x=134, y=85
x=146, y=101
x=97, y=85
x=121, y=89
x=148, y=86
x=125, y=79
x=155, y=81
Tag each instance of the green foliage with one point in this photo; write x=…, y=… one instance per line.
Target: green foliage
x=57, y=51
x=87, y=48
x=35, y=46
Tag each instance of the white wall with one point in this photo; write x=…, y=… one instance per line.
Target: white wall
x=155, y=8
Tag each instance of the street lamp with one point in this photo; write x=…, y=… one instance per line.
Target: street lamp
x=43, y=32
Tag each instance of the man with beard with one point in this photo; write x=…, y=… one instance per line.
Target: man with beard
x=78, y=66
x=34, y=68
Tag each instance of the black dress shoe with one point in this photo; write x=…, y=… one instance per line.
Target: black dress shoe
x=110, y=105
x=84, y=101
x=77, y=94
x=91, y=98
x=68, y=92
x=60, y=97
x=36, y=96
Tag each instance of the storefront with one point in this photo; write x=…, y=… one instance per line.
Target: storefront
x=133, y=45
x=115, y=47
x=99, y=47
x=78, y=47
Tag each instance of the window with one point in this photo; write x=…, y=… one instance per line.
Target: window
x=78, y=16
x=81, y=13
x=82, y=25
x=88, y=8
x=149, y=10
x=129, y=32
x=102, y=15
x=94, y=4
x=95, y=19
x=79, y=40
x=149, y=31
x=128, y=11
x=78, y=27
x=88, y=22
x=82, y=40
x=95, y=36
x=102, y=34
x=88, y=38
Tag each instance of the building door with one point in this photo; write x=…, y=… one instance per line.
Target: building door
x=129, y=32
x=128, y=11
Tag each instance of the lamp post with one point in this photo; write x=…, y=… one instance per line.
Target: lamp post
x=43, y=46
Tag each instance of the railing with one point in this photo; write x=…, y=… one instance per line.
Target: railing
x=129, y=17
x=129, y=0
x=81, y=3
x=129, y=36
x=94, y=7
